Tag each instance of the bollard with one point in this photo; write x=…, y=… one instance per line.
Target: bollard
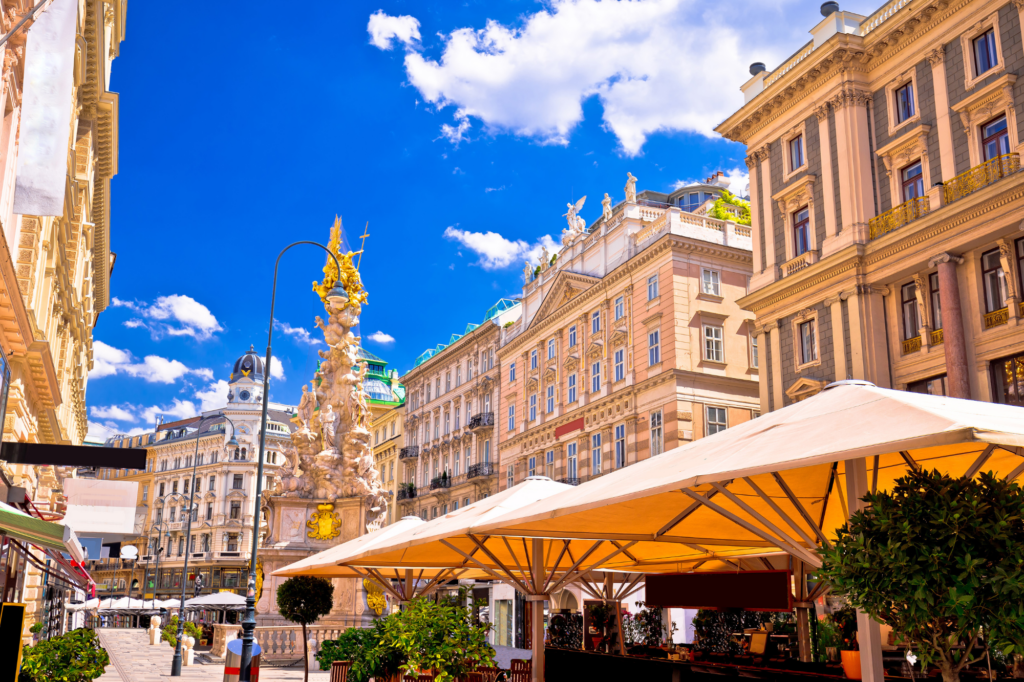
x=233, y=661
x=188, y=654
x=154, y=631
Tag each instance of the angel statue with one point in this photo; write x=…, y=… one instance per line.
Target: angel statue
x=630, y=188
x=576, y=223
x=606, y=203
x=307, y=406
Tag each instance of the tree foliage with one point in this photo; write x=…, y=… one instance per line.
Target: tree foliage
x=169, y=632
x=719, y=210
x=74, y=657
x=940, y=560
x=305, y=599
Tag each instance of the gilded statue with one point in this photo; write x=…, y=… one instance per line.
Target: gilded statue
x=324, y=523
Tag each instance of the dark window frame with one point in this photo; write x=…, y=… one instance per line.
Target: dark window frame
x=908, y=307
x=1001, y=137
x=797, y=157
x=912, y=187
x=984, y=54
x=903, y=99
x=801, y=228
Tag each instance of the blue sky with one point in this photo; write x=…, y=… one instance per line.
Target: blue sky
x=457, y=130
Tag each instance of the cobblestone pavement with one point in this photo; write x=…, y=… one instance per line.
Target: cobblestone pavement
x=134, y=660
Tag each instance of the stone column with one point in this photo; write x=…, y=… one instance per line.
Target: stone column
x=953, y=335
x=772, y=328
x=767, y=217
x=827, y=185
x=835, y=305
x=762, y=369
x=947, y=162
x=755, y=214
x=856, y=197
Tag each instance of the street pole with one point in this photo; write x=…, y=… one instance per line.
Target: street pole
x=249, y=623
x=176, y=661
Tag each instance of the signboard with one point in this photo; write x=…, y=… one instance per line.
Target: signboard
x=575, y=425
x=12, y=617
x=748, y=590
x=72, y=455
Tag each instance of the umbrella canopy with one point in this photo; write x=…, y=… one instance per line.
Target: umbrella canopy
x=779, y=482
x=218, y=601
x=44, y=534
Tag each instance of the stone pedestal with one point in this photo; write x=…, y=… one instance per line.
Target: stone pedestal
x=222, y=634
x=292, y=539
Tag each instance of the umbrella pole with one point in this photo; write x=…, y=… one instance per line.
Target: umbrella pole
x=537, y=612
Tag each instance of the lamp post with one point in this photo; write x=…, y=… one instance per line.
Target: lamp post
x=176, y=661
x=337, y=293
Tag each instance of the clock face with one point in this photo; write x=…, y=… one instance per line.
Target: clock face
x=244, y=395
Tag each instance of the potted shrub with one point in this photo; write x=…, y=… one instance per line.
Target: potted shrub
x=937, y=559
x=169, y=632
x=74, y=657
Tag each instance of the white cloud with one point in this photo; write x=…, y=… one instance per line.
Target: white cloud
x=173, y=315
x=108, y=360
x=276, y=368
x=384, y=28
x=105, y=430
x=178, y=409
x=496, y=252
x=115, y=412
x=738, y=178
x=457, y=133
x=493, y=189
x=298, y=333
x=655, y=66
x=381, y=337
x=213, y=396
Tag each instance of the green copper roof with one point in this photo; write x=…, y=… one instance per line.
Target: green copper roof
x=497, y=309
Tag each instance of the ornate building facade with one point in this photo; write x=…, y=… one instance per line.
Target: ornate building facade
x=887, y=202
x=450, y=455
x=630, y=342
x=388, y=440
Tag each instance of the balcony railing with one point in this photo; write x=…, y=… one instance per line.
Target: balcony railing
x=898, y=216
x=569, y=481
x=937, y=337
x=478, y=470
x=996, y=318
x=406, y=493
x=440, y=482
x=912, y=345
x=981, y=176
x=410, y=452
x=479, y=421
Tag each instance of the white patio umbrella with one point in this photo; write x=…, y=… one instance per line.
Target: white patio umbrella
x=218, y=601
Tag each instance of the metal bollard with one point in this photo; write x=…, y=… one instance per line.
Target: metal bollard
x=233, y=661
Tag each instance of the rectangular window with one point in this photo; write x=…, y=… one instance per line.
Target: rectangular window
x=657, y=435
x=533, y=407
x=236, y=482
x=908, y=301
x=808, y=343
x=531, y=468
x=754, y=359
x=653, y=348
x=236, y=510
x=1008, y=380
x=467, y=459
x=985, y=57
x=595, y=454
x=711, y=282
x=595, y=377
x=714, y=343
x=572, y=338
x=511, y=472
x=595, y=322
x=572, y=388
x=933, y=386
x=551, y=400
x=458, y=420
x=549, y=463
x=447, y=382
x=620, y=446
x=1020, y=261
x=936, y=301
x=209, y=511
x=458, y=375
x=994, y=279
x=184, y=486
x=995, y=140
x=551, y=349
x=716, y=420
x=533, y=359
x=652, y=287
x=904, y=102
x=512, y=372
x=620, y=308
x=487, y=452
x=796, y=153
x=174, y=487
x=145, y=492
x=801, y=231
x=447, y=423
x=912, y=181
x=570, y=458
x=620, y=364
x=511, y=418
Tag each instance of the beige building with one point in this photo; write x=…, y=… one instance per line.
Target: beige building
x=388, y=440
x=631, y=342
x=450, y=454
x=887, y=203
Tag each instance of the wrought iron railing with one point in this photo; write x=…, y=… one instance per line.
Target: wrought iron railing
x=481, y=420
x=912, y=345
x=569, y=481
x=996, y=318
x=406, y=493
x=440, y=482
x=937, y=337
x=478, y=470
x=981, y=176
x=898, y=216
x=410, y=452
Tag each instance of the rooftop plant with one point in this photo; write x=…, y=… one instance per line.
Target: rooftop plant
x=719, y=210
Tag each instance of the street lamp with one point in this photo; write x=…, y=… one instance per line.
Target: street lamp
x=337, y=296
x=232, y=443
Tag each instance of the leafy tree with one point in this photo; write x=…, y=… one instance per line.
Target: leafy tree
x=439, y=636
x=362, y=647
x=939, y=559
x=169, y=632
x=305, y=599
x=74, y=657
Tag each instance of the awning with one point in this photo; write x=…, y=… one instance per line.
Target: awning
x=17, y=524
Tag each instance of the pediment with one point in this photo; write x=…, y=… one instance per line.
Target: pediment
x=804, y=388
x=618, y=338
x=596, y=350
x=571, y=363
x=531, y=385
x=550, y=375
x=566, y=287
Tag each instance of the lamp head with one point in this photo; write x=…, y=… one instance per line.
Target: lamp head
x=233, y=442
x=337, y=295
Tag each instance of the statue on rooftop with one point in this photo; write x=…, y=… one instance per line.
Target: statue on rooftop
x=606, y=204
x=630, y=188
x=576, y=223
x=527, y=272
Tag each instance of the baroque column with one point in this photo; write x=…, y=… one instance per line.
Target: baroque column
x=953, y=335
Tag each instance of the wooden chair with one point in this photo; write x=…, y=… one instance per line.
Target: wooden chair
x=521, y=670
x=339, y=671
x=422, y=677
